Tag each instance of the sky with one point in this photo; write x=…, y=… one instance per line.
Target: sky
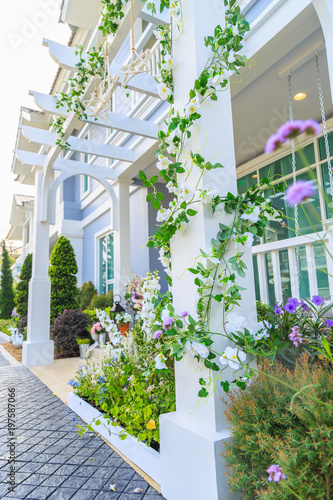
x=26, y=65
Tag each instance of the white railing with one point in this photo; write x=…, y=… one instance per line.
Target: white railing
x=153, y=62
x=290, y=245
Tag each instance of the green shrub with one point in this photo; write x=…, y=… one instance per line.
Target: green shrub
x=102, y=301
x=4, y=326
x=63, y=272
x=66, y=328
x=22, y=289
x=7, y=302
x=85, y=294
x=263, y=311
x=270, y=426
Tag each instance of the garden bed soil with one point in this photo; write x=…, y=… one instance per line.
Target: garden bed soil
x=16, y=352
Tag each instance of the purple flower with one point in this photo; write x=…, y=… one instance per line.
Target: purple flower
x=184, y=314
x=168, y=323
x=294, y=301
x=299, y=191
x=273, y=143
x=158, y=334
x=14, y=313
x=304, y=306
x=290, y=130
x=311, y=127
x=317, y=300
x=277, y=309
x=328, y=322
x=275, y=473
x=290, y=307
x=283, y=224
x=295, y=336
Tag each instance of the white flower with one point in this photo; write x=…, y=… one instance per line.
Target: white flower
x=163, y=91
x=231, y=57
x=169, y=62
x=261, y=331
x=181, y=228
x=160, y=362
x=219, y=208
x=172, y=188
x=218, y=79
x=208, y=282
x=186, y=192
x=163, y=214
x=236, y=322
x=173, y=149
x=163, y=162
x=207, y=196
x=200, y=349
x=232, y=357
x=165, y=314
x=252, y=215
x=249, y=240
x=191, y=107
x=164, y=261
x=173, y=9
x=214, y=260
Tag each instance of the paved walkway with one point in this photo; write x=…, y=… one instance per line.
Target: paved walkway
x=52, y=461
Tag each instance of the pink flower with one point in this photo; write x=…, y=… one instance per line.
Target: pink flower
x=96, y=326
x=283, y=224
x=299, y=191
x=168, y=323
x=184, y=314
x=158, y=334
x=295, y=336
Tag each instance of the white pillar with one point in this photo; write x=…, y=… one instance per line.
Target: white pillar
x=122, y=239
x=193, y=437
x=39, y=349
x=324, y=9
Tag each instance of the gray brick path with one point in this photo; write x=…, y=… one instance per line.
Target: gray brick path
x=52, y=461
x=3, y=361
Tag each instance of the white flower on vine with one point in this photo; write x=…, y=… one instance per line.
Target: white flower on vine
x=160, y=362
x=168, y=62
x=200, y=349
x=181, y=228
x=207, y=196
x=172, y=188
x=173, y=149
x=219, y=209
x=174, y=9
x=163, y=162
x=163, y=91
x=186, y=193
x=164, y=261
x=231, y=57
x=191, y=107
x=249, y=240
x=163, y=214
x=261, y=331
x=232, y=357
x=208, y=282
x=236, y=322
x=218, y=79
x=252, y=214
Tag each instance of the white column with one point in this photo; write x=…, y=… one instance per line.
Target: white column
x=192, y=438
x=38, y=349
x=328, y=226
x=122, y=239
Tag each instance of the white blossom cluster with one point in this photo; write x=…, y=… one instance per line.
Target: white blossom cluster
x=150, y=289
x=238, y=323
x=109, y=326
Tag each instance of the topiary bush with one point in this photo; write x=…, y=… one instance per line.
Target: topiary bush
x=22, y=289
x=102, y=301
x=63, y=272
x=272, y=426
x=7, y=302
x=85, y=294
x=66, y=328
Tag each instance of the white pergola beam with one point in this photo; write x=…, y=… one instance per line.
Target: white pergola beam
x=66, y=58
x=29, y=158
x=157, y=19
x=115, y=121
x=78, y=145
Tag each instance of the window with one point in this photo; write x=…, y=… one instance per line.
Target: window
x=106, y=263
x=85, y=181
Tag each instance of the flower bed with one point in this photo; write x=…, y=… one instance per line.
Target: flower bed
x=144, y=457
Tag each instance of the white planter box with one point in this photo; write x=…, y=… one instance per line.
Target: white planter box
x=5, y=337
x=141, y=455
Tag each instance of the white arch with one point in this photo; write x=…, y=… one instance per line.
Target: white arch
x=51, y=199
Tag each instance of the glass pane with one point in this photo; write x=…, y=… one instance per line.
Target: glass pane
x=110, y=287
x=110, y=257
x=283, y=167
x=309, y=215
x=102, y=264
x=304, y=287
x=322, y=148
x=256, y=276
x=327, y=191
x=321, y=270
x=85, y=183
x=244, y=183
x=285, y=275
x=270, y=278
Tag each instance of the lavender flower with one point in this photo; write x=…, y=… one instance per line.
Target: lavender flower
x=275, y=473
x=304, y=306
x=311, y=127
x=158, y=334
x=328, y=322
x=291, y=130
x=291, y=306
x=277, y=309
x=14, y=313
x=184, y=314
x=273, y=143
x=299, y=192
x=317, y=300
x=295, y=336
x=167, y=323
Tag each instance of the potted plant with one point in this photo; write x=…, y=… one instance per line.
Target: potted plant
x=123, y=319
x=84, y=346
x=98, y=333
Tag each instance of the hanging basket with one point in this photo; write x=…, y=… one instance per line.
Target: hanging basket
x=124, y=329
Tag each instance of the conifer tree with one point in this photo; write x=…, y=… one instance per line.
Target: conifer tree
x=7, y=302
x=22, y=289
x=63, y=272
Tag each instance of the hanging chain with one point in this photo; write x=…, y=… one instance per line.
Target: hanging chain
x=323, y=119
x=293, y=159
